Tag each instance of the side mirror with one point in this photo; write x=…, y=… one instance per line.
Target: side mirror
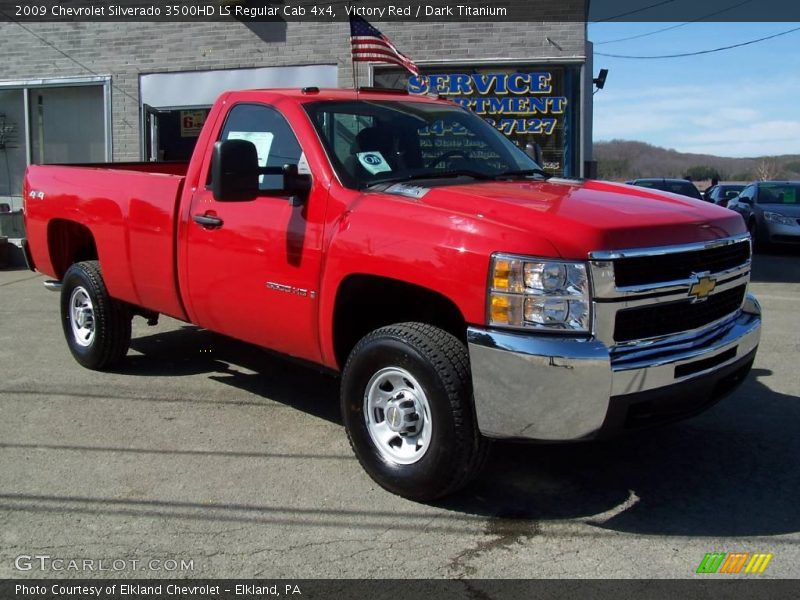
x=743, y=199
x=234, y=171
x=291, y=183
x=534, y=150
x=295, y=183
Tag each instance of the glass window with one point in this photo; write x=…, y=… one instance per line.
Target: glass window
x=778, y=193
x=372, y=142
x=684, y=188
x=67, y=124
x=270, y=133
x=749, y=192
x=12, y=145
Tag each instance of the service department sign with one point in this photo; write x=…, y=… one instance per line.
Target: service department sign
x=528, y=104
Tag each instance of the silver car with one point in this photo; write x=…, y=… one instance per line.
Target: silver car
x=771, y=210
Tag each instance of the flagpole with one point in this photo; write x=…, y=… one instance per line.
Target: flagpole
x=352, y=56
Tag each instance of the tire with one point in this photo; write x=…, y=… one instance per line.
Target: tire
x=97, y=327
x=751, y=229
x=393, y=374
x=758, y=243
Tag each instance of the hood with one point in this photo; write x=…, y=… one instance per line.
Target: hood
x=577, y=217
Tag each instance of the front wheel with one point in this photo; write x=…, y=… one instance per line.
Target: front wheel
x=759, y=245
x=97, y=327
x=406, y=402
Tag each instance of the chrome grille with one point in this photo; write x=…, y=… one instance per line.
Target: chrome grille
x=644, y=270
x=642, y=296
x=656, y=320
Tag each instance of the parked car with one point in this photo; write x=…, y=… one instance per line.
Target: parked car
x=405, y=243
x=684, y=187
x=722, y=193
x=771, y=210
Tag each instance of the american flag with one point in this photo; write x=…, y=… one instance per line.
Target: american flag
x=370, y=45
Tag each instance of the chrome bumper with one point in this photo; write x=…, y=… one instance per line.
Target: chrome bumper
x=543, y=387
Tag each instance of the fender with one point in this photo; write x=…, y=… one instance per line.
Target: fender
x=389, y=236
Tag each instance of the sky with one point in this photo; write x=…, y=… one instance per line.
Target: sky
x=740, y=102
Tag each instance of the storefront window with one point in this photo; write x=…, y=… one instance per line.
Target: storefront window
x=67, y=125
x=12, y=144
x=63, y=124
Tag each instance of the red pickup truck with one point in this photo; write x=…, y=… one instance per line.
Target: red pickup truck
x=463, y=294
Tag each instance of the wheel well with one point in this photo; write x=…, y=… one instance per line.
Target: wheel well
x=366, y=302
x=69, y=242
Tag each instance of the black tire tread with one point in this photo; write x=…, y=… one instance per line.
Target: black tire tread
x=112, y=316
x=450, y=356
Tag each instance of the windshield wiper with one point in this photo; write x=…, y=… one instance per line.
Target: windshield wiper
x=434, y=175
x=522, y=173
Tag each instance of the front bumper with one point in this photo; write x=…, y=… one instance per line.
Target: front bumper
x=543, y=387
x=778, y=233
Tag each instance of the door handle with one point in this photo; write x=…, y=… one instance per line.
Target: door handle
x=208, y=221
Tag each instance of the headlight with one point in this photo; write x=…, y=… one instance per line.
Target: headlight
x=778, y=219
x=539, y=294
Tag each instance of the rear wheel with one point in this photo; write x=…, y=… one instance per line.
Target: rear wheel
x=407, y=406
x=97, y=327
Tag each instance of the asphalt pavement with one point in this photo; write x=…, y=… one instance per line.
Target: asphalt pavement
x=217, y=459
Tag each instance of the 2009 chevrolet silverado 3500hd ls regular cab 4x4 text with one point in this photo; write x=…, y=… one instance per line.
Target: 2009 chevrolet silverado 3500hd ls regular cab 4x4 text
x=405, y=242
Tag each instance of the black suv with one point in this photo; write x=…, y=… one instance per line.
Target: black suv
x=684, y=187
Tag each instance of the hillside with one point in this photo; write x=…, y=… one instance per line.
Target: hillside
x=619, y=160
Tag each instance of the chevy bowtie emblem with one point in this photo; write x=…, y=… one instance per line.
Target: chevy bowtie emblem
x=702, y=285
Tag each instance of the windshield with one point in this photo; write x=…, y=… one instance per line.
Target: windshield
x=372, y=142
x=778, y=193
x=727, y=189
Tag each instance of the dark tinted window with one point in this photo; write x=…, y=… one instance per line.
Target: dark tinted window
x=684, y=188
x=749, y=191
x=778, y=193
x=731, y=188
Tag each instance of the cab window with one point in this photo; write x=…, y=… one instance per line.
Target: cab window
x=269, y=131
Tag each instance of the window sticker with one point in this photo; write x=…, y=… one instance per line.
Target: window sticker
x=410, y=191
x=262, y=140
x=790, y=195
x=302, y=165
x=373, y=162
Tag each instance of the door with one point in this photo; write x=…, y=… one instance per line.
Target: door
x=150, y=132
x=253, y=271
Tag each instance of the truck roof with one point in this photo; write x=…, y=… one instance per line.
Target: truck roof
x=313, y=94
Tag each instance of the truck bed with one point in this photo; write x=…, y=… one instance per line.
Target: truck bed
x=130, y=210
x=161, y=168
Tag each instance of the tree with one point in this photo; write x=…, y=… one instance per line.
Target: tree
x=745, y=176
x=613, y=169
x=702, y=173
x=767, y=168
x=792, y=166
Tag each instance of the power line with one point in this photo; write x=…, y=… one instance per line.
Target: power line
x=769, y=37
x=64, y=54
x=633, y=12
x=649, y=33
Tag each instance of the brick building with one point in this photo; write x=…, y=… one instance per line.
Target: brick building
x=75, y=92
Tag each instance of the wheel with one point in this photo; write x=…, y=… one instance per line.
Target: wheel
x=758, y=244
x=406, y=401
x=97, y=327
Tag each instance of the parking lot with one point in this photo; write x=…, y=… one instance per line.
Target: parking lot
x=209, y=450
